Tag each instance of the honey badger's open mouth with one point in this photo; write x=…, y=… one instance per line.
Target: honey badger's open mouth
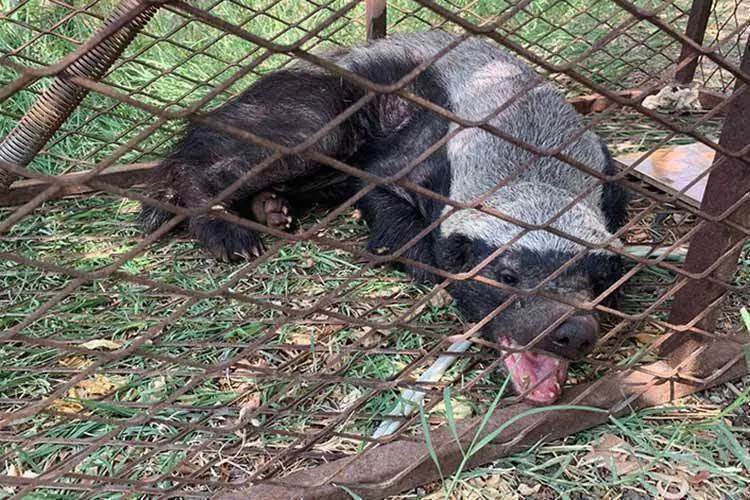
x=540, y=374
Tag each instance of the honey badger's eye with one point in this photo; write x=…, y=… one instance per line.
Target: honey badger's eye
x=508, y=277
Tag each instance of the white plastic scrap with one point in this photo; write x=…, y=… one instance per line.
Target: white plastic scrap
x=410, y=399
x=673, y=98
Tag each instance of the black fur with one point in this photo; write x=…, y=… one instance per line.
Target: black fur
x=615, y=197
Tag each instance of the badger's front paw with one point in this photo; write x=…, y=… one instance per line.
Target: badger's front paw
x=272, y=210
x=227, y=241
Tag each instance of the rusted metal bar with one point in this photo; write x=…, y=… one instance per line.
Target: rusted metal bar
x=120, y=175
x=379, y=471
x=727, y=184
x=700, y=11
x=58, y=101
x=376, y=19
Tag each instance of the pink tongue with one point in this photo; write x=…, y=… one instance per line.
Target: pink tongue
x=538, y=376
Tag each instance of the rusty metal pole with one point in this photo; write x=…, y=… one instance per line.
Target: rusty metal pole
x=727, y=184
x=700, y=11
x=58, y=101
x=376, y=19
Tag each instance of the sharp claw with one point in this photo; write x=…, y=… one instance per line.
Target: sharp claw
x=255, y=251
x=285, y=210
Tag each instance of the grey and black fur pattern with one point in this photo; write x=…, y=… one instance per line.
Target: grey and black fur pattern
x=473, y=80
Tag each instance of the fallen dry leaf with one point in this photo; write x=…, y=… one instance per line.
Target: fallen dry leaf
x=526, y=490
x=299, y=339
x=699, y=477
x=461, y=409
x=612, y=452
x=241, y=379
x=15, y=470
x=101, y=344
x=645, y=338
x=672, y=487
x=187, y=467
x=94, y=387
x=251, y=400
x=249, y=403
x=440, y=299
x=371, y=339
x=66, y=406
x=77, y=362
x=155, y=390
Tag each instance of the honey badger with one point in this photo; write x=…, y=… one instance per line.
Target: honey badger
x=473, y=80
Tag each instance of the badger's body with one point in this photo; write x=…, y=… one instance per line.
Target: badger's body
x=482, y=85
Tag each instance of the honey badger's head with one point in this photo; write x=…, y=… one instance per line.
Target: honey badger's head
x=469, y=237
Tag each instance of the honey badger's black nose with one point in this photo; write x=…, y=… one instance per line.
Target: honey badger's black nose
x=575, y=338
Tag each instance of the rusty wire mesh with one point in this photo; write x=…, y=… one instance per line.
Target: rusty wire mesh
x=136, y=364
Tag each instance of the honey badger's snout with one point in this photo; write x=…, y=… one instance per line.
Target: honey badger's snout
x=574, y=338
x=537, y=353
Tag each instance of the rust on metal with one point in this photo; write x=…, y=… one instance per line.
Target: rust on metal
x=687, y=63
x=376, y=13
x=130, y=175
x=54, y=106
x=727, y=196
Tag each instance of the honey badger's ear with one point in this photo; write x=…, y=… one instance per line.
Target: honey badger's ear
x=604, y=269
x=454, y=252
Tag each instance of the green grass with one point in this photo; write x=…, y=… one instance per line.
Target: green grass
x=177, y=63
x=330, y=365
x=677, y=444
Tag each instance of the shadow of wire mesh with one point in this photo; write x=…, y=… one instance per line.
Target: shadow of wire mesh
x=148, y=368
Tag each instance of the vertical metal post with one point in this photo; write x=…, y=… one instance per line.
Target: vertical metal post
x=727, y=184
x=58, y=101
x=376, y=17
x=700, y=11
